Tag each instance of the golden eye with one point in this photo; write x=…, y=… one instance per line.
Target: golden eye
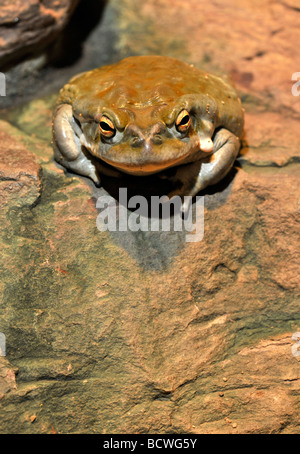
x=107, y=128
x=183, y=121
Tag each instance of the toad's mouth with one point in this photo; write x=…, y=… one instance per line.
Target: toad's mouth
x=153, y=160
x=148, y=168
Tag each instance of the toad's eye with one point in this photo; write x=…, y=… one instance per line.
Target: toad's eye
x=183, y=121
x=107, y=128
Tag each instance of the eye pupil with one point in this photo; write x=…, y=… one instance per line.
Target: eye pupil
x=183, y=121
x=107, y=127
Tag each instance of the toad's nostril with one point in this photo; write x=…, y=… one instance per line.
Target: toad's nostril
x=134, y=136
x=158, y=129
x=136, y=142
x=157, y=133
x=157, y=139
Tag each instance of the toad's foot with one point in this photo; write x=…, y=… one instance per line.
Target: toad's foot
x=217, y=165
x=68, y=149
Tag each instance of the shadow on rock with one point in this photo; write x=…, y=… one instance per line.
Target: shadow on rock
x=67, y=50
x=155, y=250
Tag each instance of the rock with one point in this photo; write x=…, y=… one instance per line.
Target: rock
x=68, y=43
x=134, y=347
x=268, y=140
x=254, y=43
x=256, y=407
x=143, y=332
x=30, y=26
x=7, y=377
x=19, y=172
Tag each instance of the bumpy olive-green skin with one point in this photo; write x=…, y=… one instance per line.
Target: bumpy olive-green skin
x=146, y=82
x=143, y=97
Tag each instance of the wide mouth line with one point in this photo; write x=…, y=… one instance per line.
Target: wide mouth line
x=150, y=166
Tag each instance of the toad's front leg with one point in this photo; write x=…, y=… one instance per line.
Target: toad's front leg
x=68, y=147
x=218, y=164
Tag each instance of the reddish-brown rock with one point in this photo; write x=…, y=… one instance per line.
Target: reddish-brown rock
x=19, y=172
x=253, y=41
x=7, y=377
x=30, y=25
x=142, y=332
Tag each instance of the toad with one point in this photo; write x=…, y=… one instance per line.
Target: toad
x=146, y=114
